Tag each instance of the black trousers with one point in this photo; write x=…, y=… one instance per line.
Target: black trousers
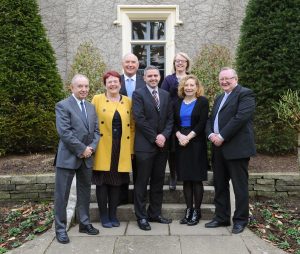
x=150, y=169
x=124, y=188
x=237, y=171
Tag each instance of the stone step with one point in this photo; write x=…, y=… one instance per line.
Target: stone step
x=175, y=196
x=173, y=211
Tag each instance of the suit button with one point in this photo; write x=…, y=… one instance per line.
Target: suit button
x=128, y=125
x=122, y=102
x=128, y=137
x=102, y=122
x=101, y=134
x=104, y=110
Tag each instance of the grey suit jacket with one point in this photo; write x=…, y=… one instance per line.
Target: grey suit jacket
x=74, y=134
x=139, y=84
x=149, y=122
x=235, y=123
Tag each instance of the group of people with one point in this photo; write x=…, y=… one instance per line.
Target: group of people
x=136, y=126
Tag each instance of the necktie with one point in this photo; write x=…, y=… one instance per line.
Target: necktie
x=129, y=87
x=156, y=100
x=216, y=122
x=83, y=113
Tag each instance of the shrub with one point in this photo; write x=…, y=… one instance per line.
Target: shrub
x=88, y=61
x=29, y=82
x=268, y=60
x=207, y=66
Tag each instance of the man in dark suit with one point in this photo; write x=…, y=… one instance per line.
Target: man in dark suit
x=130, y=81
x=231, y=132
x=152, y=111
x=77, y=127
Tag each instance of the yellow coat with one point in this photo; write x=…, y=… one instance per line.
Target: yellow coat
x=105, y=110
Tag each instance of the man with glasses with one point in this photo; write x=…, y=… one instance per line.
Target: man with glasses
x=230, y=130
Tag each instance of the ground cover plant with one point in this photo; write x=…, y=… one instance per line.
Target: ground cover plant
x=277, y=222
x=23, y=222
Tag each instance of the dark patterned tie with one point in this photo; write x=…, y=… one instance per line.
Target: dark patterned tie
x=83, y=113
x=156, y=100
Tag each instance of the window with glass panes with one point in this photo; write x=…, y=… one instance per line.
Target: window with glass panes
x=148, y=42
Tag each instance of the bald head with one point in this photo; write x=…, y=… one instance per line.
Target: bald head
x=130, y=64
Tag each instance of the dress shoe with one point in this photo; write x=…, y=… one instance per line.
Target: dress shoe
x=143, y=224
x=195, y=218
x=237, y=228
x=62, y=237
x=106, y=223
x=88, y=229
x=115, y=222
x=187, y=217
x=216, y=224
x=160, y=219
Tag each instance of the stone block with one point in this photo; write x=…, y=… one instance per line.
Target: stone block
x=7, y=187
x=266, y=181
x=295, y=181
x=285, y=176
x=5, y=180
x=47, y=178
x=251, y=187
x=23, y=179
x=50, y=185
x=252, y=193
x=287, y=188
x=256, y=175
x=4, y=195
x=31, y=187
x=271, y=194
x=28, y=195
x=294, y=194
x=264, y=188
x=46, y=195
x=252, y=181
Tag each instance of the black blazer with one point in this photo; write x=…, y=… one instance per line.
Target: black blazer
x=198, y=118
x=149, y=122
x=139, y=84
x=235, y=123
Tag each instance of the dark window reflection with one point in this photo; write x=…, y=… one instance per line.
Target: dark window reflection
x=157, y=54
x=139, y=30
x=157, y=30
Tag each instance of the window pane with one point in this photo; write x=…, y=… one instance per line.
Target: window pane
x=141, y=52
x=139, y=30
x=157, y=30
x=157, y=54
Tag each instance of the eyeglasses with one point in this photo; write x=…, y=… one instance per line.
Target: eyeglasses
x=180, y=61
x=226, y=79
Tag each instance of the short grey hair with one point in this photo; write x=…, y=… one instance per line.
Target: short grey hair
x=78, y=76
x=129, y=54
x=151, y=67
x=229, y=69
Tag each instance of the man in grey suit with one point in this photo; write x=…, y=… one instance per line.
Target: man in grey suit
x=230, y=130
x=152, y=112
x=77, y=127
x=130, y=81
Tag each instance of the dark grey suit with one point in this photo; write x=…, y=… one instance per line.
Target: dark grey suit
x=151, y=160
x=75, y=135
x=230, y=160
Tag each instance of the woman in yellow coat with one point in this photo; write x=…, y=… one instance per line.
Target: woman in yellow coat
x=113, y=155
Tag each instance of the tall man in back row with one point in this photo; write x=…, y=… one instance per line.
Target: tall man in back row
x=152, y=112
x=230, y=130
x=77, y=127
x=130, y=81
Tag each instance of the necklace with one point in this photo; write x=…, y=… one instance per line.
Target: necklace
x=187, y=102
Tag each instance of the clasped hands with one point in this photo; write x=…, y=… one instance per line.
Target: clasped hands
x=87, y=152
x=160, y=140
x=184, y=139
x=216, y=139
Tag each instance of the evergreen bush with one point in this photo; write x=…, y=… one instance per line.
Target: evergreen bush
x=207, y=66
x=29, y=82
x=268, y=60
x=88, y=61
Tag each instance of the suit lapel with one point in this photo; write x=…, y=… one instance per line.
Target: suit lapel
x=75, y=106
x=231, y=95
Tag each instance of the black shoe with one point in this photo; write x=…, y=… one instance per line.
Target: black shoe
x=187, y=217
x=237, y=228
x=160, y=219
x=216, y=224
x=195, y=218
x=62, y=237
x=143, y=224
x=88, y=229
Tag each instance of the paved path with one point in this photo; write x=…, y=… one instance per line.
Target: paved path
x=162, y=239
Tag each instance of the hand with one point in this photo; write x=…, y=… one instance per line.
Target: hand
x=182, y=139
x=216, y=139
x=160, y=140
x=87, y=152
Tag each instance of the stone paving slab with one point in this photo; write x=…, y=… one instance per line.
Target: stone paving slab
x=199, y=229
x=115, y=231
x=86, y=245
x=157, y=229
x=215, y=245
x=148, y=245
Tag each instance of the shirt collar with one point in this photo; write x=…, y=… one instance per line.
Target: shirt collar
x=133, y=77
x=151, y=89
x=78, y=101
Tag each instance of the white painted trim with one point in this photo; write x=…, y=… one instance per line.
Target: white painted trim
x=169, y=13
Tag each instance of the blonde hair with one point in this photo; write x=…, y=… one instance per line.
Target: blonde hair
x=186, y=57
x=200, y=88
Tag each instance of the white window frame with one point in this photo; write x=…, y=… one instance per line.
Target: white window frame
x=168, y=13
